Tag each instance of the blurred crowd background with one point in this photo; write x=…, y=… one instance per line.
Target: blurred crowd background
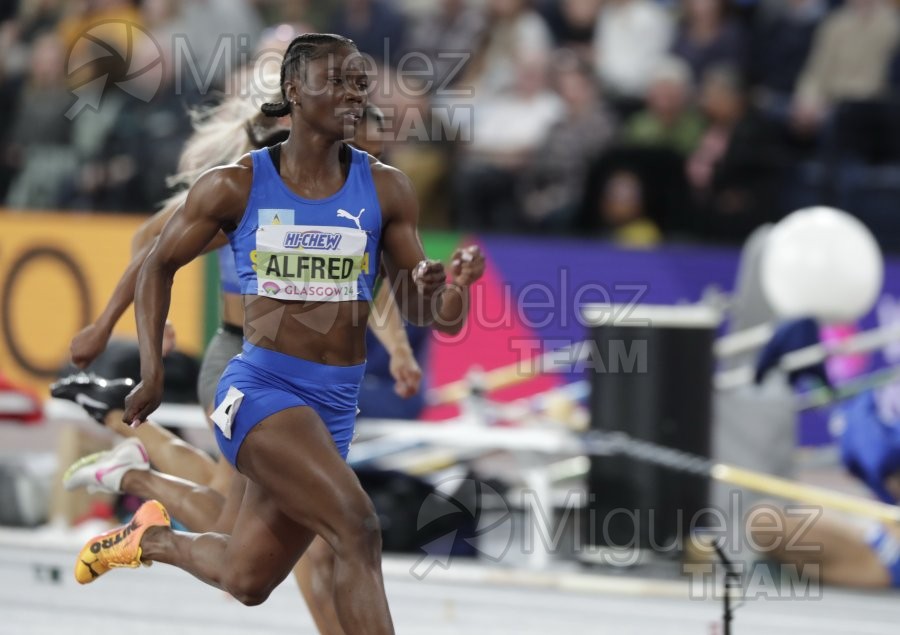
x=639, y=121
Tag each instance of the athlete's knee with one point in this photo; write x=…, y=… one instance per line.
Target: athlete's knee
x=359, y=530
x=247, y=591
x=251, y=599
x=246, y=588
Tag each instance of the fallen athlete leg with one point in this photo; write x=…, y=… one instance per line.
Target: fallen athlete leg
x=126, y=468
x=102, y=399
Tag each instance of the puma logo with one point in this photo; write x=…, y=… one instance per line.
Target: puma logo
x=342, y=213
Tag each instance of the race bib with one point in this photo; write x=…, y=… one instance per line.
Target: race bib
x=299, y=262
x=224, y=415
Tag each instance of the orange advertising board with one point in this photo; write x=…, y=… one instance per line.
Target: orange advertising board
x=56, y=273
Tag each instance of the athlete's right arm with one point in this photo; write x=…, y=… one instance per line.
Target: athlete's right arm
x=145, y=236
x=90, y=341
x=216, y=201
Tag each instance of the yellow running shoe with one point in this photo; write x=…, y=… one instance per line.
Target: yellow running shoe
x=120, y=547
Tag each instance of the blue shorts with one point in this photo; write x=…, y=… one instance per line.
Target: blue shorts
x=887, y=549
x=267, y=382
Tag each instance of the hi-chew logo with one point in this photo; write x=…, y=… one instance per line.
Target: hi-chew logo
x=312, y=240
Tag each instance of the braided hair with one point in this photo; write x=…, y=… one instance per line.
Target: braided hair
x=302, y=50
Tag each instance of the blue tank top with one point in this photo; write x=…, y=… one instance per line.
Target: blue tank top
x=228, y=275
x=292, y=248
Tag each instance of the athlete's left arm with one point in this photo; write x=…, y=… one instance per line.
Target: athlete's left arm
x=387, y=325
x=419, y=285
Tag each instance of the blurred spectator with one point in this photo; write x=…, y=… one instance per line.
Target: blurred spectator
x=91, y=131
x=781, y=41
x=210, y=39
x=507, y=129
x=130, y=144
x=452, y=27
x=14, y=53
x=669, y=120
x=850, y=59
x=92, y=127
x=631, y=38
x=622, y=214
x=9, y=10
x=316, y=14
x=532, y=155
x=417, y=123
x=128, y=170
x=511, y=111
x=665, y=195
x=40, y=133
x=513, y=32
x=158, y=15
x=11, y=80
x=35, y=17
x=82, y=14
x=273, y=42
x=707, y=38
x=552, y=186
x=572, y=22
x=733, y=170
x=376, y=26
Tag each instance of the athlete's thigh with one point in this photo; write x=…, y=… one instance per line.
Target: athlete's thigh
x=223, y=473
x=233, y=500
x=292, y=455
x=265, y=543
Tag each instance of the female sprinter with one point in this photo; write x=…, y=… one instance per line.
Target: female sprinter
x=307, y=254
x=188, y=483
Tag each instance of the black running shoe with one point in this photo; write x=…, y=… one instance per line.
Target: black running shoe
x=96, y=395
